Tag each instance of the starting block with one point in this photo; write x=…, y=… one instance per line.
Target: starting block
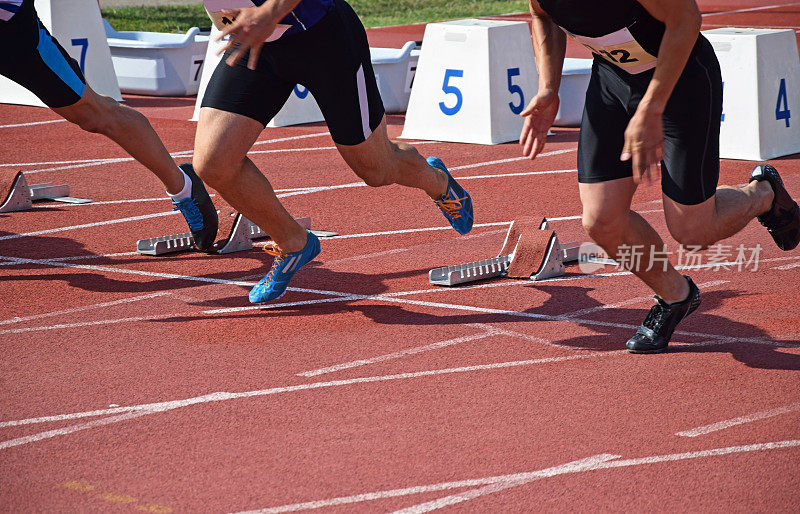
x=241, y=234
x=20, y=196
x=531, y=251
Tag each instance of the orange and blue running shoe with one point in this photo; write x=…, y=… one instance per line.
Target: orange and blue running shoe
x=455, y=204
x=283, y=269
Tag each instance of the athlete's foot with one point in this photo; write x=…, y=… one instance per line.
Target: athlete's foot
x=654, y=334
x=783, y=217
x=199, y=211
x=455, y=203
x=283, y=269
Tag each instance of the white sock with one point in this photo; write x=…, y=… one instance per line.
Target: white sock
x=186, y=192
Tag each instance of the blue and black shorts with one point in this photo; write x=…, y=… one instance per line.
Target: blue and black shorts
x=32, y=58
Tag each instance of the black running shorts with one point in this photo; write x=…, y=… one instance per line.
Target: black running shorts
x=32, y=58
x=690, y=167
x=331, y=59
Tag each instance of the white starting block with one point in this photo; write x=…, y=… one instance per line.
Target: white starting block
x=18, y=195
x=575, y=76
x=474, y=78
x=761, y=100
x=77, y=25
x=153, y=63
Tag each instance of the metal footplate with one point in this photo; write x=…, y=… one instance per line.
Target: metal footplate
x=241, y=236
x=469, y=272
x=17, y=195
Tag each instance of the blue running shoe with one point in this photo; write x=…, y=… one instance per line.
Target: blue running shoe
x=283, y=269
x=199, y=211
x=455, y=204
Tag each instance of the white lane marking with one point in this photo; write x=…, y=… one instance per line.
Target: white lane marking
x=132, y=299
x=750, y=9
x=32, y=123
x=88, y=225
x=84, y=163
x=76, y=258
x=514, y=481
x=214, y=397
x=486, y=331
x=633, y=301
x=749, y=418
x=458, y=484
x=512, y=159
x=81, y=324
x=518, y=174
x=394, y=298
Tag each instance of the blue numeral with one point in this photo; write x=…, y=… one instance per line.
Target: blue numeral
x=451, y=90
x=84, y=44
x=300, y=93
x=515, y=90
x=782, y=113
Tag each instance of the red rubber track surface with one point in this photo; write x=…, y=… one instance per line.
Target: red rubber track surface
x=140, y=383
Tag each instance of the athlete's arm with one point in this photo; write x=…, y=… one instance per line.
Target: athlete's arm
x=549, y=47
x=644, y=137
x=252, y=26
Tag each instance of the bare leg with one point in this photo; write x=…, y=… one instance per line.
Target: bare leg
x=380, y=162
x=609, y=221
x=129, y=129
x=719, y=217
x=220, y=159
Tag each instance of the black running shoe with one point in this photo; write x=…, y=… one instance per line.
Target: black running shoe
x=654, y=334
x=199, y=211
x=783, y=218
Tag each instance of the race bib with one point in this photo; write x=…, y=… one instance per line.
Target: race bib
x=214, y=9
x=619, y=48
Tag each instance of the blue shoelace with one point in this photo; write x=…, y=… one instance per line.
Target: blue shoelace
x=191, y=212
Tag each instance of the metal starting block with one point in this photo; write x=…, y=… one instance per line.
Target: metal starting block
x=240, y=238
x=20, y=196
x=531, y=251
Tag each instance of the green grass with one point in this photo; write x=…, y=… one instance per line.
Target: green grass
x=373, y=13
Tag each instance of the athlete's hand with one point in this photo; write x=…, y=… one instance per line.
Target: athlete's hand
x=250, y=29
x=539, y=117
x=644, y=144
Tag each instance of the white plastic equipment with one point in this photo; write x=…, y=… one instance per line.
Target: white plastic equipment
x=394, y=71
x=473, y=79
x=761, y=100
x=154, y=63
x=77, y=25
x=572, y=93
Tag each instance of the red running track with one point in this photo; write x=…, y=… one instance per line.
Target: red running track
x=138, y=383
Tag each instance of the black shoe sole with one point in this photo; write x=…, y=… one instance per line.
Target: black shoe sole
x=786, y=234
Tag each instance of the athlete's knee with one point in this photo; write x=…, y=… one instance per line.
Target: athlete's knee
x=216, y=168
x=604, y=228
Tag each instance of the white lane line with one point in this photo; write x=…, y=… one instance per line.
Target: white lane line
x=82, y=324
x=88, y=225
x=512, y=159
x=395, y=298
x=458, y=484
x=76, y=258
x=633, y=301
x=84, y=163
x=215, y=397
x=514, y=481
x=750, y=9
x=32, y=123
x=73, y=310
x=749, y=418
x=486, y=331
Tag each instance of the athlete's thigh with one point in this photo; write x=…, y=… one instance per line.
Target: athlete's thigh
x=35, y=60
x=690, y=168
x=603, y=127
x=338, y=72
x=256, y=94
